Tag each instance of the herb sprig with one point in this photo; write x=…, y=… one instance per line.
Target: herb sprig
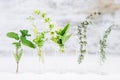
x=103, y=44
x=20, y=40
x=82, y=34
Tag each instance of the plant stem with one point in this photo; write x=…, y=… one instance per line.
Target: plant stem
x=62, y=49
x=17, y=68
x=40, y=54
x=17, y=63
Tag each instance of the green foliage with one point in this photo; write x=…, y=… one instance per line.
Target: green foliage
x=103, y=44
x=19, y=41
x=13, y=35
x=24, y=33
x=27, y=42
x=24, y=40
x=65, y=29
x=65, y=38
x=61, y=37
x=39, y=42
x=40, y=39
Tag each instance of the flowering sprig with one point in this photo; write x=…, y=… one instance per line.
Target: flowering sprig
x=40, y=37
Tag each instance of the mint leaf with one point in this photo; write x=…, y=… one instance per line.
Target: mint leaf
x=13, y=35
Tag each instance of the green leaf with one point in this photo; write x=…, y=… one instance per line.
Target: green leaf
x=51, y=26
x=37, y=12
x=40, y=39
x=43, y=15
x=65, y=38
x=24, y=33
x=39, y=42
x=47, y=20
x=63, y=32
x=27, y=42
x=13, y=35
x=54, y=39
x=58, y=32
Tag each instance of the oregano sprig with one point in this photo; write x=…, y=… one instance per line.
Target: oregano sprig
x=40, y=36
x=42, y=16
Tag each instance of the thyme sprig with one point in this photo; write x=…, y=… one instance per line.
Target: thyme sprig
x=82, y=34
x=103, y=44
